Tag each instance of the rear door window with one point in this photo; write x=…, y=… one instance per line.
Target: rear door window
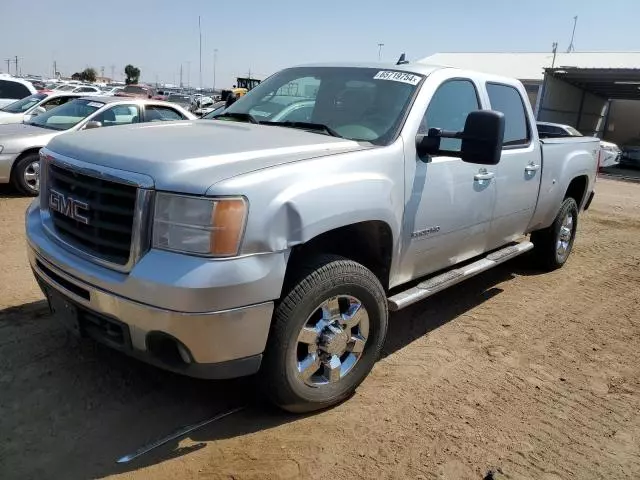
x=507, y=99
x=159, y=113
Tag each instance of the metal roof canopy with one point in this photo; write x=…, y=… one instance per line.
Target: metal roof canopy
x=609, y=83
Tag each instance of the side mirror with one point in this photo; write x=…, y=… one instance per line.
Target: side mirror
x=482, y=139
x=38, y=111
x=92, y=124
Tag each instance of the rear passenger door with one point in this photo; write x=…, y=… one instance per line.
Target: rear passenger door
x=520, y=167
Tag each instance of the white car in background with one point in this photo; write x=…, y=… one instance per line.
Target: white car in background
x=610, y=153
x=22, y=111
x=20, y=143
x=86, y=89
x=12, y=89
x=111, y=91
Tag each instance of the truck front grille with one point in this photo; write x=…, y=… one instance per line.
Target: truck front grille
x=108, y=230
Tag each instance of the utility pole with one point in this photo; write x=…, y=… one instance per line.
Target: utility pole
x=181, y=85
x=55, y=69
x=554, y=46
x=113, y=74
x=102, y=72
x=16, y=60
x=380, y=45
x=215, y=59
x=200, y=33
x=9, y=66
x=572, y=47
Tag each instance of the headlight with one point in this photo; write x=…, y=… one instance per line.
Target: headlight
x=203, y=226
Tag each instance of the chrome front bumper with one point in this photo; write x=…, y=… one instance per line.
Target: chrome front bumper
x=221, y=344
x=229, y=304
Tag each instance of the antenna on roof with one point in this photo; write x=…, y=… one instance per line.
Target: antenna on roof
x=402, y=60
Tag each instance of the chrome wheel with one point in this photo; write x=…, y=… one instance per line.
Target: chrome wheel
x=563, y=243
x=332, y=340
x=32, y=175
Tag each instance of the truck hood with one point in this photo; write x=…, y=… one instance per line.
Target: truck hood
x=19, y=136
x=190, y=156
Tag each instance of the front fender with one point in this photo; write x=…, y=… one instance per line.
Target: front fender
x=291, y=204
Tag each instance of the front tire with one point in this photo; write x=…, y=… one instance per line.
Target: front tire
x=327, y=333
x=553, y=245
x=25, y=176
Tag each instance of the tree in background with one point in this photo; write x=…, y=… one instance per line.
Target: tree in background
x=132, y=73
x=76, y=76
x=89, y=75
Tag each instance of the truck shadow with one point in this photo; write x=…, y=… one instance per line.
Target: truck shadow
x=76, y=407
x=7, y=191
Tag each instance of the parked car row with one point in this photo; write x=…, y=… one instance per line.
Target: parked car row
x=31, y=123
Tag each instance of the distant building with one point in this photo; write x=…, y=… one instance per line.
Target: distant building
x=595, y=92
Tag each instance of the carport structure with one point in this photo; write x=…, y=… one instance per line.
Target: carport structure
x=582, y=97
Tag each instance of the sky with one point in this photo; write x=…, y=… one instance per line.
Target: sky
x=263, y=36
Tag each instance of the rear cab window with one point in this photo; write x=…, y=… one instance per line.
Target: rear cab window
x=507, y=99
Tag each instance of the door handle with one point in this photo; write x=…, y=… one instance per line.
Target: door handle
x=483, y=175
x=532, y=167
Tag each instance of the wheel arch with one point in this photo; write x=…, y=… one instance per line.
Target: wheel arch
x=369, y=243
x=577, y=190
x=28, y=151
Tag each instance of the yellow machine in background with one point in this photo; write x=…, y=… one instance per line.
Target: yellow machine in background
x=242, y=86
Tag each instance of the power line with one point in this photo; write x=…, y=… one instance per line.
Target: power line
x=572, y=47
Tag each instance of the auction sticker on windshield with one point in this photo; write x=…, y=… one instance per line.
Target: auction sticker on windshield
x=403, y=77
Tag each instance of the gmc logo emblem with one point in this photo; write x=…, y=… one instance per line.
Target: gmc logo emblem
x=68, y=206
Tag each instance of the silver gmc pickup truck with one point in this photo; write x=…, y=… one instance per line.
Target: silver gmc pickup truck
x=276, y=237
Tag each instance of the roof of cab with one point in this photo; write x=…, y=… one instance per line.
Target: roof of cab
x=419, y=68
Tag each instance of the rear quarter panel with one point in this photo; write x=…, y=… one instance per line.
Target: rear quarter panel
x=563, y=160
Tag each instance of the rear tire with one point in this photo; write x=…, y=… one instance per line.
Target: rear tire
x=553, y=245
x=25, y=176
x=327, y=333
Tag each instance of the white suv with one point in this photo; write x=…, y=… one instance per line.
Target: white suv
x=12, y=89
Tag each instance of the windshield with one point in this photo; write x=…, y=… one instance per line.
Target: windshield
x=25, y=104
x=66, y=88
x=364, y=104
x=66, y=116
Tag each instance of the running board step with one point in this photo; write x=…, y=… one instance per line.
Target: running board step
x=445, y=280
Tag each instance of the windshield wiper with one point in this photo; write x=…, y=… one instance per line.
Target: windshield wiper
x=238, y=116
x=307, y=126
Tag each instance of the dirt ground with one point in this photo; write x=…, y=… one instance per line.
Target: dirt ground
x=536, y=376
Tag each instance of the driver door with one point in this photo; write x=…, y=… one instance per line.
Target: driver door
x=448, y=203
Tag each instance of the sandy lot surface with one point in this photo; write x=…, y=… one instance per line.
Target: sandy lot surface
x=537, y=375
